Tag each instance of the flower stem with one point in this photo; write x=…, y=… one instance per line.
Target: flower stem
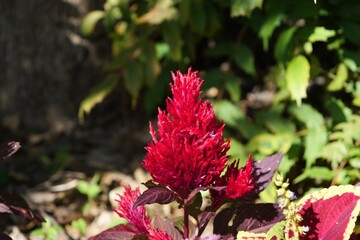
x=186, y=221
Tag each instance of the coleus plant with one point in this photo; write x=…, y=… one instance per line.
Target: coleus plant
x=13, y=203
x=188, y=155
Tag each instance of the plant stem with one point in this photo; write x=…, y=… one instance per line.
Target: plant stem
x=186, y=221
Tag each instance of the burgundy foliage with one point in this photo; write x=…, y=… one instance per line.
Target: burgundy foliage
x=155, y=195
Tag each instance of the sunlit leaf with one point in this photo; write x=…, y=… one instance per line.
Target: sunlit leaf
x=297, y=77
x=162, y=11
x=89, y=22
x=271, y=22
x=244, y=7
x=316, y=173
x=330, y=213
x=340, y=78
x=321, y=34
x=274, y=122
x=97, y=95
x=276, y=232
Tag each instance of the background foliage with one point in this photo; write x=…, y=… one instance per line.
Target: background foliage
x=283, y=75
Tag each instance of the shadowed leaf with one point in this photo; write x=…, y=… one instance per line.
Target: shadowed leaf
x=256, y=218
x=14, y=204
x=265, y=170
x=3, y=236
x=155, y=195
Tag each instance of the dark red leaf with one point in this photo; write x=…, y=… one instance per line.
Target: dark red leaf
x=165, y=225
x=8, y=148
x=330, y=213
x=4, y=236
x=14, y=204
x=204, y=220
x=265, y=170
x=213, y=237
x=155, y=195
x=256, y=218
x=123, y=232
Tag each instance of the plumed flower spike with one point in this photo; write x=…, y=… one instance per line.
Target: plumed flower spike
x=189, y=149
x=137, y=218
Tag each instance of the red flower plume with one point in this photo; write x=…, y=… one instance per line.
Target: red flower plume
x=189, y=149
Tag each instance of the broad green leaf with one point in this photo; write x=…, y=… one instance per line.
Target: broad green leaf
x=274, y=122
x=315, y=134
x=308, y=115
x=267, y=143
x=321, y=34
x=152, y=65
x=233, y=87
x=184, y=11
x=355, y=162
x=338, y=110
x=276, y=232
x=89, y=22
x=228, y=112
x=338, y=81
x=133, y=80
x=244, y=7
x=286, y=164
x=271, y=22
x=172, y=36
x=297, y=78
x=316, y=173
x=269, y=195
x=198, y=16
x=237, y=151
x=351, y=30
x=244, y=58
x=162, y=11
x=315, y=140
x=97, y=95
x=281, y=51
x=235, y=118
x=334, y=152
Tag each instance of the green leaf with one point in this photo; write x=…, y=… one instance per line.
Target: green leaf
x=316, y=173
x=237, y=151
x=133, y=80
x=267, y=143
x=198, y=16
x=229, y=112
x=276, y=232
x=266, y=31
x=338, y=81
x=97, y=95
x=244, y=58
x=172, y=36
x=89, y=22
x=307, y=115
x=338, y=110
x=274, y=122
x=232, y=86
x=244, y=7
x=321, y=34
x=297, y=78
x=334, y=152
x=152, y=65
x=351, y=30
x=281, y=51
x=162, y=11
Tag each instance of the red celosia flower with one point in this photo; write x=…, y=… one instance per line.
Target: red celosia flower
x=190, y=149
x=136, y=217
x=238, y=181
